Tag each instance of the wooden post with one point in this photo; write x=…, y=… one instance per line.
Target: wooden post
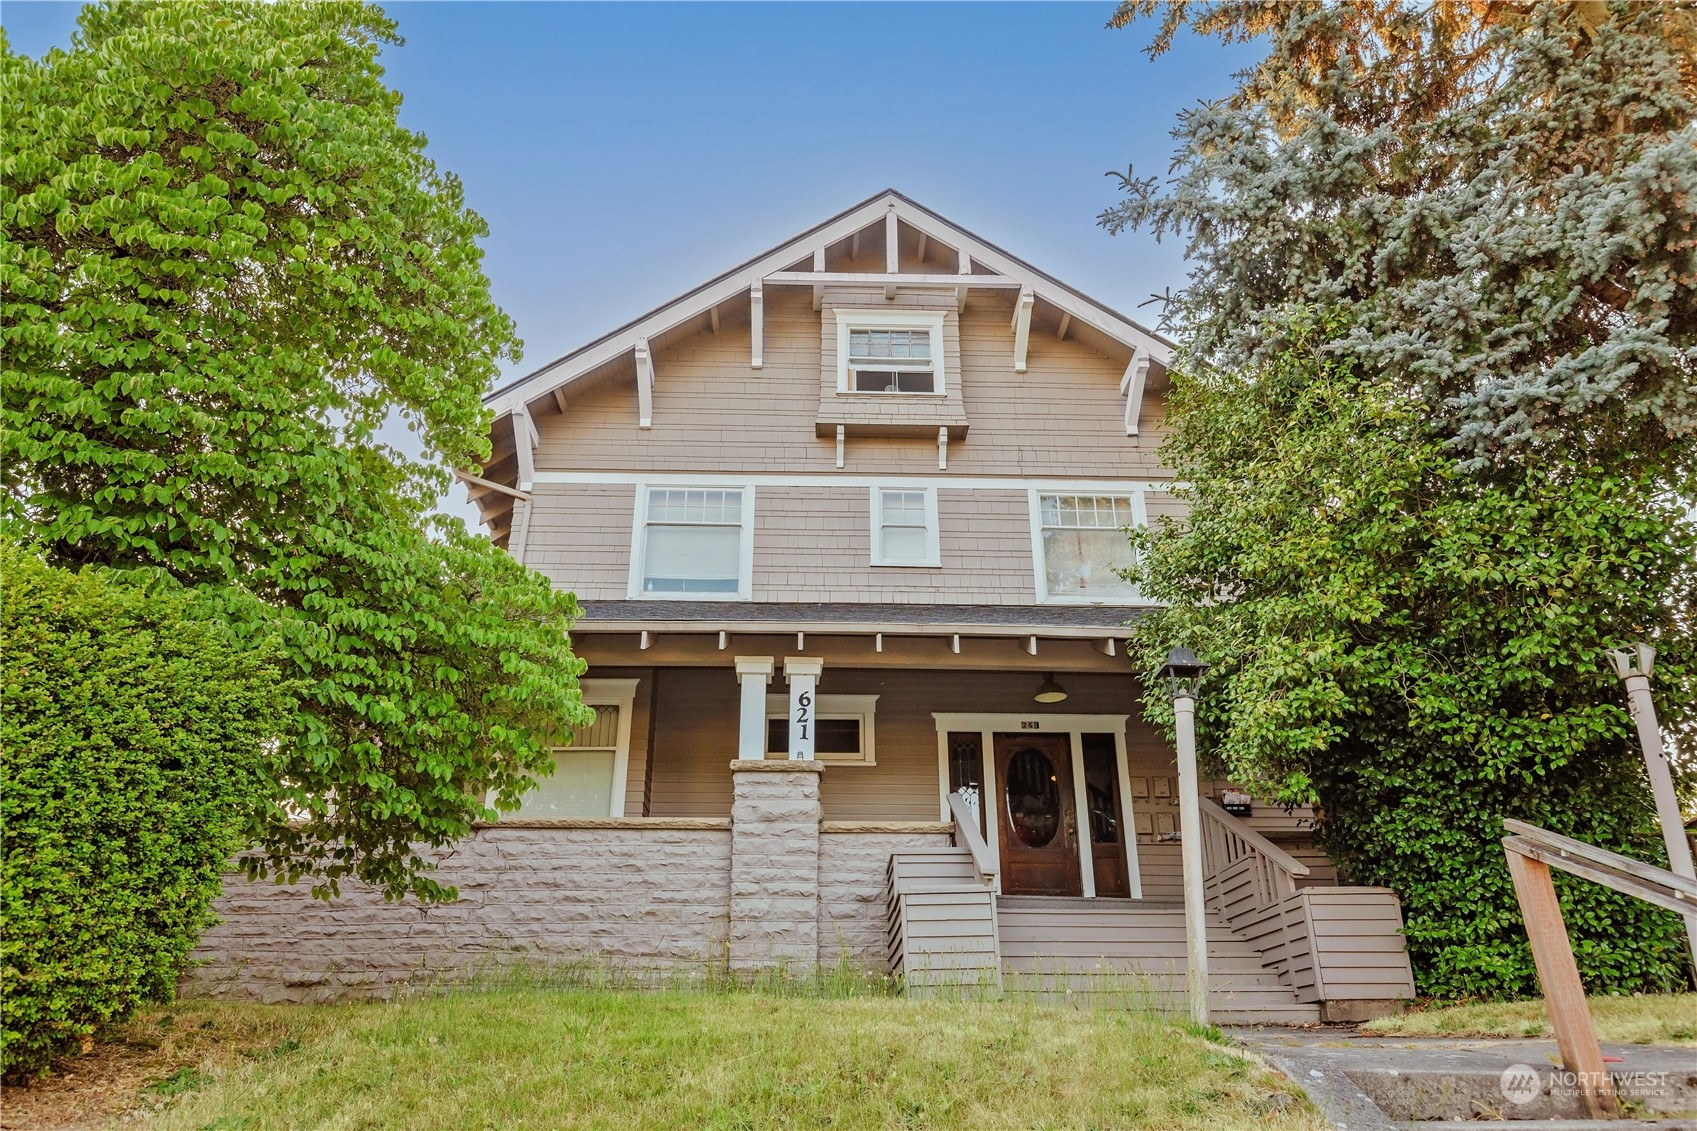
x=1564, y=994
x=1190, y=857
x=1634, y=670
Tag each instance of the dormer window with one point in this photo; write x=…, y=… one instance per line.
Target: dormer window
x=893, y=352
x=891, y=361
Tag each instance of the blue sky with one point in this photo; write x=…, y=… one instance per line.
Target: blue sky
x=623, y=153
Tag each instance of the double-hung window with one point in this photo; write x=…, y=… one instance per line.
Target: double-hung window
x=844, y=731
x=589, y=775
x=897, y=352
x=693, y=541
x=1082, y=545
x=904, y=526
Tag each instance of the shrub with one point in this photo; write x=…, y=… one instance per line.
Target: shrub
x=134, y=734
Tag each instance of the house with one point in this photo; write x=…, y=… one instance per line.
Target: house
x=845, y=523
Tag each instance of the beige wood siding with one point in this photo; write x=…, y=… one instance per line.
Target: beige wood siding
x=814, y=544
x=810, y=544
x=580, y=537
x=695, y=739
x=1357, y=943
x=1065, y=417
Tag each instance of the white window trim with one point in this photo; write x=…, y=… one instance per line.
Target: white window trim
x=639, y=544
x=1040, y=568
x=620, y=693
x=933, y=538
x=862, y=707
x=1075, y=727
x=890, y=320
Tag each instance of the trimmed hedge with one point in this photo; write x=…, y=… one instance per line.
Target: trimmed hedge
x=134, y=730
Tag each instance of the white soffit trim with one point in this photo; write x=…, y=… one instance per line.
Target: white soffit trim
x=742, y=279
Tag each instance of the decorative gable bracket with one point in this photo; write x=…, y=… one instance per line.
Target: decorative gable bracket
x=1131, y=385
x=1022, y=327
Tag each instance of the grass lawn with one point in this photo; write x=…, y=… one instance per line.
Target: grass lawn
x=543, y=1058
x=1650, y=1019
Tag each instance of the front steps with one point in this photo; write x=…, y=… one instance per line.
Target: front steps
x=1132, y=952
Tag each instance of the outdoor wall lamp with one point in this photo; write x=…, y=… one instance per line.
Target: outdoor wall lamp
x=1049, y=691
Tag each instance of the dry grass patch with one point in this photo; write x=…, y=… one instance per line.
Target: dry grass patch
x=1663, y=1019
x=157, y=1056
x=588, y=1058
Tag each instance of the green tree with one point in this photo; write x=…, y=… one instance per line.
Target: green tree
x=135, y=745
x=225, y=265
x=1434, y=413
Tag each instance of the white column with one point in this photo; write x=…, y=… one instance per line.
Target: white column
x=803, y=673
x=752, y=673
x=1634, y=671
x=1081, y=804
x=1190, y=852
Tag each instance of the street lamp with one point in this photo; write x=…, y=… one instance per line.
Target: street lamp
x=1183, y=672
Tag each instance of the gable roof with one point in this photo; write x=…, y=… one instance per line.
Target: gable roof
x=986, y=259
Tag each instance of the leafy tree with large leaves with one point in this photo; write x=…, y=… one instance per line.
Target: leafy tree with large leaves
x=225, y=265
x=1436, y=415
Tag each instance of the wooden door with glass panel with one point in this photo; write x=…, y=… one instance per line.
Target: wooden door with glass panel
x=1038, y=824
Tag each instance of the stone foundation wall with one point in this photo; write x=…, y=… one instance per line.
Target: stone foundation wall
x=770, y=886
x=853, y=914
x=652, y=897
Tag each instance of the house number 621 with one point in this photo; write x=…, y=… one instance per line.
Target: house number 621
x=802, y=714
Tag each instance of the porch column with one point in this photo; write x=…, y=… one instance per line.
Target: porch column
x=752, y=673
x=803, y=672
x=774, y=864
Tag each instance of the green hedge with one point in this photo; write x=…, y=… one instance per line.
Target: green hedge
x=134, y=731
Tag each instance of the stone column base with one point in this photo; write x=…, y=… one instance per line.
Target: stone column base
x=774, y=864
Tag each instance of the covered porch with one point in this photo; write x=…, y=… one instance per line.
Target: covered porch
x=950, y=826
x=1038, y=727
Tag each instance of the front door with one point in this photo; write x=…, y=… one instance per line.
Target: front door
x=1038, y=825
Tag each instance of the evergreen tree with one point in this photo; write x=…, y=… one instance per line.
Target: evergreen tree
x=1436, y=414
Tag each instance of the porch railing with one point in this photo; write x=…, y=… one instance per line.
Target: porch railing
x=1312, y=936
x=967, y=837
x=1243, y=872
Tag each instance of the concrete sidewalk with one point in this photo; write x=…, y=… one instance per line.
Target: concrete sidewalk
x=1381, y=1083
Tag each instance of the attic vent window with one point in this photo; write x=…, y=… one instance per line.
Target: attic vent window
x=891, y=352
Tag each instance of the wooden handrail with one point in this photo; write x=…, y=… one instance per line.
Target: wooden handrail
x=1274, y=854
x=966, y=836
x=1611, y=869
x=1531, y=852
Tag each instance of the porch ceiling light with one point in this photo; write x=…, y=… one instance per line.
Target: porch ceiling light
x=1049, y=691
x=1183, y=671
